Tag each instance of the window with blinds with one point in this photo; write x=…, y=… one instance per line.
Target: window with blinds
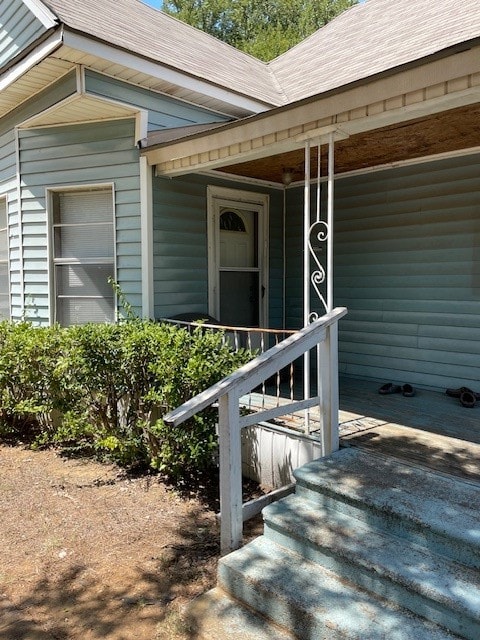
x=4, y=277
x=83, y=256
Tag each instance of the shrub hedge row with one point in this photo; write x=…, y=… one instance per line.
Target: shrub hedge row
x=103, y=388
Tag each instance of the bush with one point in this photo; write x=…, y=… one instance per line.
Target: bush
x=28, y=382
x=105, y=388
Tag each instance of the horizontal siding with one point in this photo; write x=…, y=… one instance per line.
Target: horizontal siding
x=8, y=189
x=163, y=112
x=180, y=246
x=76, y=155
x=19, y=29
x=408, y=268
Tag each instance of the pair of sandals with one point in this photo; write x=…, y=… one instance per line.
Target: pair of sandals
x=407, y=390
x=468, y=398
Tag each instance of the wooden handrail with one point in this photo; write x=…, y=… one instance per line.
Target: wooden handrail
x=321, y=334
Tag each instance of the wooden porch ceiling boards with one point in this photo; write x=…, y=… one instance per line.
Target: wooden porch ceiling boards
x=445, y=132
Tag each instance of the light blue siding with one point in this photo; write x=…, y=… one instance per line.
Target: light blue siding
x=163, y=112
x=180, y=246
x=407, y=265
x=33, y=211
x=8, y=189
x=19, y=28
x=76, y=155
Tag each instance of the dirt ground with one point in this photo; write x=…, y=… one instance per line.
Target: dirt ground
x=87, y=552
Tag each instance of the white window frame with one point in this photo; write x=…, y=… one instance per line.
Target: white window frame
x=76, y=188
x=4, y=199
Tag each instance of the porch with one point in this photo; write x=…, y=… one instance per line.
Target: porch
x=430, y=429
x=405, y=478
x=372, y=533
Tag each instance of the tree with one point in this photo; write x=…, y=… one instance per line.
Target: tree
x=263, y=29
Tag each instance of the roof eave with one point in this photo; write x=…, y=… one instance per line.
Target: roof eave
x=444, y=53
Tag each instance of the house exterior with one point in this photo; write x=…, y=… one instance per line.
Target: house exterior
x=138, y=148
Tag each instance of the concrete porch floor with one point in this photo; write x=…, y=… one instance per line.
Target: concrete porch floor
x=430, y=429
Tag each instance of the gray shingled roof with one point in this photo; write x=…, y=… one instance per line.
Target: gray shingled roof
x=371, y=38
x=134, y=26
x=368, y=39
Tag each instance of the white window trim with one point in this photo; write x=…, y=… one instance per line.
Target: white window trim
x=50, y=192
x=4, y=198
x=233, y=198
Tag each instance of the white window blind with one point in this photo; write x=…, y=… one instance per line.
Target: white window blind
x=83, y=256
x=4, y=278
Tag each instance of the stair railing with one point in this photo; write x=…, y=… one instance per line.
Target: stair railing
x=321, y=335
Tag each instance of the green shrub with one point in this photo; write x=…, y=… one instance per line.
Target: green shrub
x=199, y=360
x=105, y=388
x=28, y=382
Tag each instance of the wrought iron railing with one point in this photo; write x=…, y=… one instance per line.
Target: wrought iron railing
x=282, y=386
x=321, y=335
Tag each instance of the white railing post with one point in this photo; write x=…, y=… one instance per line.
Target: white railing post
x=230, y=451
x=327, y=352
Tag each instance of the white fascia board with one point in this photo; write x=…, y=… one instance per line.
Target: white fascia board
x=413, y=111
x=41, y=52
x=342, y=131
x=288, y=117
x=42, y=13
x=233, y=177
x=162, y=72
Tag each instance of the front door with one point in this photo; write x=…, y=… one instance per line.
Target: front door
x=237, y=256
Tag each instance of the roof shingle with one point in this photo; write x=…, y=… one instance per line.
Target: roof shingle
x=367, y=39
x=371, y=38
x=134, y=26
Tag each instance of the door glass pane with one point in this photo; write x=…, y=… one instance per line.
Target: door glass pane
x=239, y=298
x=238, y=238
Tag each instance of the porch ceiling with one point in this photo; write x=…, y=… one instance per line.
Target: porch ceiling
x=445, y=132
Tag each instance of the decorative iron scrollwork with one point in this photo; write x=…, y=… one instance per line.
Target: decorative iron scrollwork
x=319, y=231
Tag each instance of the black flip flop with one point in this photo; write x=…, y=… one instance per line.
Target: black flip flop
x=408, y=391
x=388, y=388
x=467, y=398
x=456, y=393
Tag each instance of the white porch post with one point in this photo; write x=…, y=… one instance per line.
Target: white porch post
x=327, y=354
x=319, y=277
x=327, y=351
x=331, y=172
x=306, y=277
x=231, y=516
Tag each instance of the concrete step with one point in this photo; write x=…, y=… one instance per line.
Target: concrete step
x=312, y=602
x=435, y=511
x=429, y=585
x=216, y=616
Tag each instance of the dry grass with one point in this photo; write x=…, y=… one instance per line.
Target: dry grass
x=88, y=553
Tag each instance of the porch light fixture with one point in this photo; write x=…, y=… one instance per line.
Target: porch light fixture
x=287, y=176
